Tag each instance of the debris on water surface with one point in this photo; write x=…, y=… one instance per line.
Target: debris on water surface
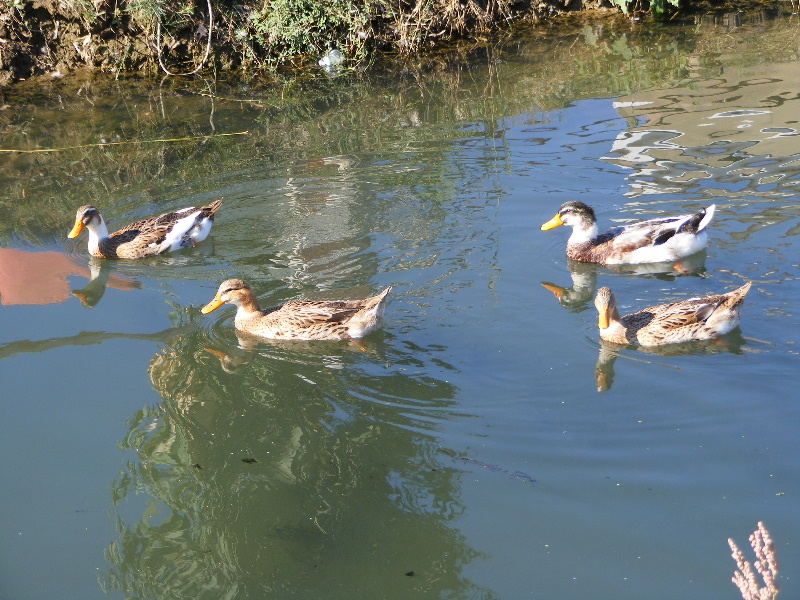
x=496, y=468
x=331, y=60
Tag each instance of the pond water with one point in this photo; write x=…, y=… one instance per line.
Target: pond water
x=484, y=444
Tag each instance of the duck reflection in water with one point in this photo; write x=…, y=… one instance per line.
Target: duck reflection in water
x=231, y=360
x=579, y=295
x=42, y=278
x=701, y=325
x=604, y=370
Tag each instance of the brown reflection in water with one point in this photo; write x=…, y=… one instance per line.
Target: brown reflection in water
x=733, y=134
x=41, y=277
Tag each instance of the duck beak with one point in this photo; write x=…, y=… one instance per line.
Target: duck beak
x=554, y=289
x=553, y=223
x=77, y=229
x=603, y=318
x=212, y=306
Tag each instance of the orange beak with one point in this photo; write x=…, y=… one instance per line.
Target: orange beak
x=553, y=223
x=77, y=229
x=556, y=290
x=212, y=306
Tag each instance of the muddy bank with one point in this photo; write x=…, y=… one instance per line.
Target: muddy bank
x=54, y=37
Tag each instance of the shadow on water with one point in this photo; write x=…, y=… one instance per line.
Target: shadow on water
x=311, y=471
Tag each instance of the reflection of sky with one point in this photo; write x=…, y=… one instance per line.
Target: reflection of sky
x=558, y=150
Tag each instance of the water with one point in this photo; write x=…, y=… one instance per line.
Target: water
x=465, y=451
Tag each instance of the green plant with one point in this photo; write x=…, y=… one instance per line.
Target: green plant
x=292, y=27
x=658, y=8
x=146, y=11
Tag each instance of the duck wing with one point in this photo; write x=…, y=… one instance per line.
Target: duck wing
x=162, y=233
x=644, y=233
x=307, y=313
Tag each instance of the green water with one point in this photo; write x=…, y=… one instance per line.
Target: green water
x=464, y=451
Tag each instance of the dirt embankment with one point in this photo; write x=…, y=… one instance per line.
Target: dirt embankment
x=40, y=37
x=56, y=36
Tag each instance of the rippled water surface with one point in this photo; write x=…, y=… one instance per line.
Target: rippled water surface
x=484, y=444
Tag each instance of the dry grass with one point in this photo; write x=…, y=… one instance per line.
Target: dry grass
x=766, y=565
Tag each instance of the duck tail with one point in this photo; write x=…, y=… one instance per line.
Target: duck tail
x=369, y=317
x=736, y=297
x=726, y=313
x=210, y=209
x=376, y=303
x=698, y=221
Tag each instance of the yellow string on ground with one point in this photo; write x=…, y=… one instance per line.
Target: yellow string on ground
x=227, y=99
x=101, y=144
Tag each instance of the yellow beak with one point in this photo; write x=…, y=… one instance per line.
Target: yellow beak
x=553, y=223
x=212, y=306
x=77, y=229
x=603, y=319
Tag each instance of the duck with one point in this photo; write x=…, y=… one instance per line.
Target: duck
x=300, y=319
x=657, y=240
x=183, y=228
x=703, y=318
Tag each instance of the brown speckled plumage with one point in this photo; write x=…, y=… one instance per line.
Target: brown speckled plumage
x=687, y=320
x=146, y=237
x=656, y=240
x=300, y=319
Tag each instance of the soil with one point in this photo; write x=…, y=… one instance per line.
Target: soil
x=52, y=38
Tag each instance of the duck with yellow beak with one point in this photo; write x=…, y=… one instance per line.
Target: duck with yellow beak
x=657, y=240
x=689, y=320
x=300, y=319
x=184, y=228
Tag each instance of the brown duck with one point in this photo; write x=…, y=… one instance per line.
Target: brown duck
x=182, y=228
x=300, y=319
x=684, y=321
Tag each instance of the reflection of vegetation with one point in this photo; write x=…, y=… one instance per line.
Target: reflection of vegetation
x=302, y=118
x=303, y=474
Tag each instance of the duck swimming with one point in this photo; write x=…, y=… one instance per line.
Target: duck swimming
x=300, y=319
x=657, y=240
x=183, y=228
x=689, y=320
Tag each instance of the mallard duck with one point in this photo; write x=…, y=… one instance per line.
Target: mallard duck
x=684, y=321
x=300, y=319
x=182, y=228
x=656, y=240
